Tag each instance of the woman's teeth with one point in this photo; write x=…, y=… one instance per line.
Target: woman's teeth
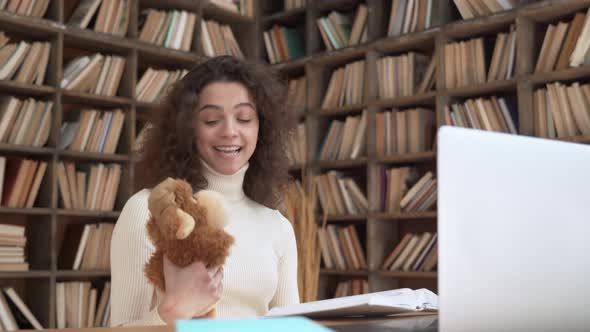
x=229, y=150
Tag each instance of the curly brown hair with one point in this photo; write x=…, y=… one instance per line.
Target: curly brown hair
x=168, y=147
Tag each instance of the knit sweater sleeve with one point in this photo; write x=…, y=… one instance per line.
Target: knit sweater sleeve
x=287, y=290
x=131, y=293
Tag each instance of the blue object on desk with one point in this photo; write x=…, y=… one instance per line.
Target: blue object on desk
x=285, y=324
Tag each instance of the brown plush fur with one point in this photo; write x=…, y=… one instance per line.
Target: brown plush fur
x=206, y=242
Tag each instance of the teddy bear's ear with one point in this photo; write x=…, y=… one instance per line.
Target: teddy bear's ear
x=214, y=204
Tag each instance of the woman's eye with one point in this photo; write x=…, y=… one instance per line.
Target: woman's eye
x=211, y=122
x=244, y=120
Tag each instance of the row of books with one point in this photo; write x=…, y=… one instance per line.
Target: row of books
x=465, y=61
x=218, y=39
x=283, y=43
x=502, y=62
x=94, y=131
x=97, y=73
x=345, y=139
x=351, y=287
x=242, y=7
x=341, y=195
x=23, y=61
x=475, y=8
x=405, y=75
x=93, y=251
x=341, y=248
x=346, y=85
x=408, y=16
x=25, y=121
x=78, y=305
x=14, y=313
x=34, y=8
x=12, y=248
x=293, y=4
x=91, y=186
x=168, y=28
x=297, y=146
x=407, y=131
x=154, y=83
x=561, y=110
x=565, y=44
x=414, y=252
x=113, y=16
x=492, y=114
x=339, y=30
x=20, y=180
x=402, y=189
x=397, y=132
x=297, y=93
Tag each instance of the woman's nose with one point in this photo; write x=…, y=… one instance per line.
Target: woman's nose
x=230, y=128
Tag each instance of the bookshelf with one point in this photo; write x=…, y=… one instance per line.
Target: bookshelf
x=52, y=231
x=48, y=221
x=381, y=231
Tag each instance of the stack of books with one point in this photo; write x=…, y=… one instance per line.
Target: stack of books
x=346, y=86
x=408, y=16
x=12, y=248
x=414, y=252
x=409, y=131
x=154, y=83
x=492, y=114
x=218, y=39
x=95, y=131
x=475, y=8
x=404, y=190
x=283, y=43
x=113, y=16
x=339, y=30
x=341, y=248
x=25, y=121
x=171, y=29
x=34, y=8
x=562, y=111
x=340, y=195
x=20, y=180
x=91, y=187
x=98, y=74
x=405, y=75
x=23, y=61
x=77, y=307
x=346, y=139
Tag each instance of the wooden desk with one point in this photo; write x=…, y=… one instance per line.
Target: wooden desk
x=325, y=322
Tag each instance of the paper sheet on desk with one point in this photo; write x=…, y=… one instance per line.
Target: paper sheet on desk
x=286, y=324
x=372, y=304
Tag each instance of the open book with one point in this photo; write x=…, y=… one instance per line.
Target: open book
x=372, y=304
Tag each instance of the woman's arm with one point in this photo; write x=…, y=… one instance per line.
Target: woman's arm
x=131, y=293
x=287, y=291
x=191, y=290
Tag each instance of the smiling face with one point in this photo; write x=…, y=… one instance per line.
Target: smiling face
x=226, y=124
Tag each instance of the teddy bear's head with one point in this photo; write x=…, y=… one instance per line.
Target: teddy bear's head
x=175, y=196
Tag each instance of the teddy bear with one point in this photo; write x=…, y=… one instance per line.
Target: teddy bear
x=185, y=227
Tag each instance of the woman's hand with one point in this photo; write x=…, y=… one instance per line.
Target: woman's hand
x=190, y=291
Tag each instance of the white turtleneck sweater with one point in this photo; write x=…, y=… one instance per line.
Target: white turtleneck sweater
x=260, y=272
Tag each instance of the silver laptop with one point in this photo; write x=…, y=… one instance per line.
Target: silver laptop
x=514, y=233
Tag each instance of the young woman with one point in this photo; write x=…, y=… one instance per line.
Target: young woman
x=222, y=127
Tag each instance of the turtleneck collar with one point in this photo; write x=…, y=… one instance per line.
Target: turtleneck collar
x=231, y=186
